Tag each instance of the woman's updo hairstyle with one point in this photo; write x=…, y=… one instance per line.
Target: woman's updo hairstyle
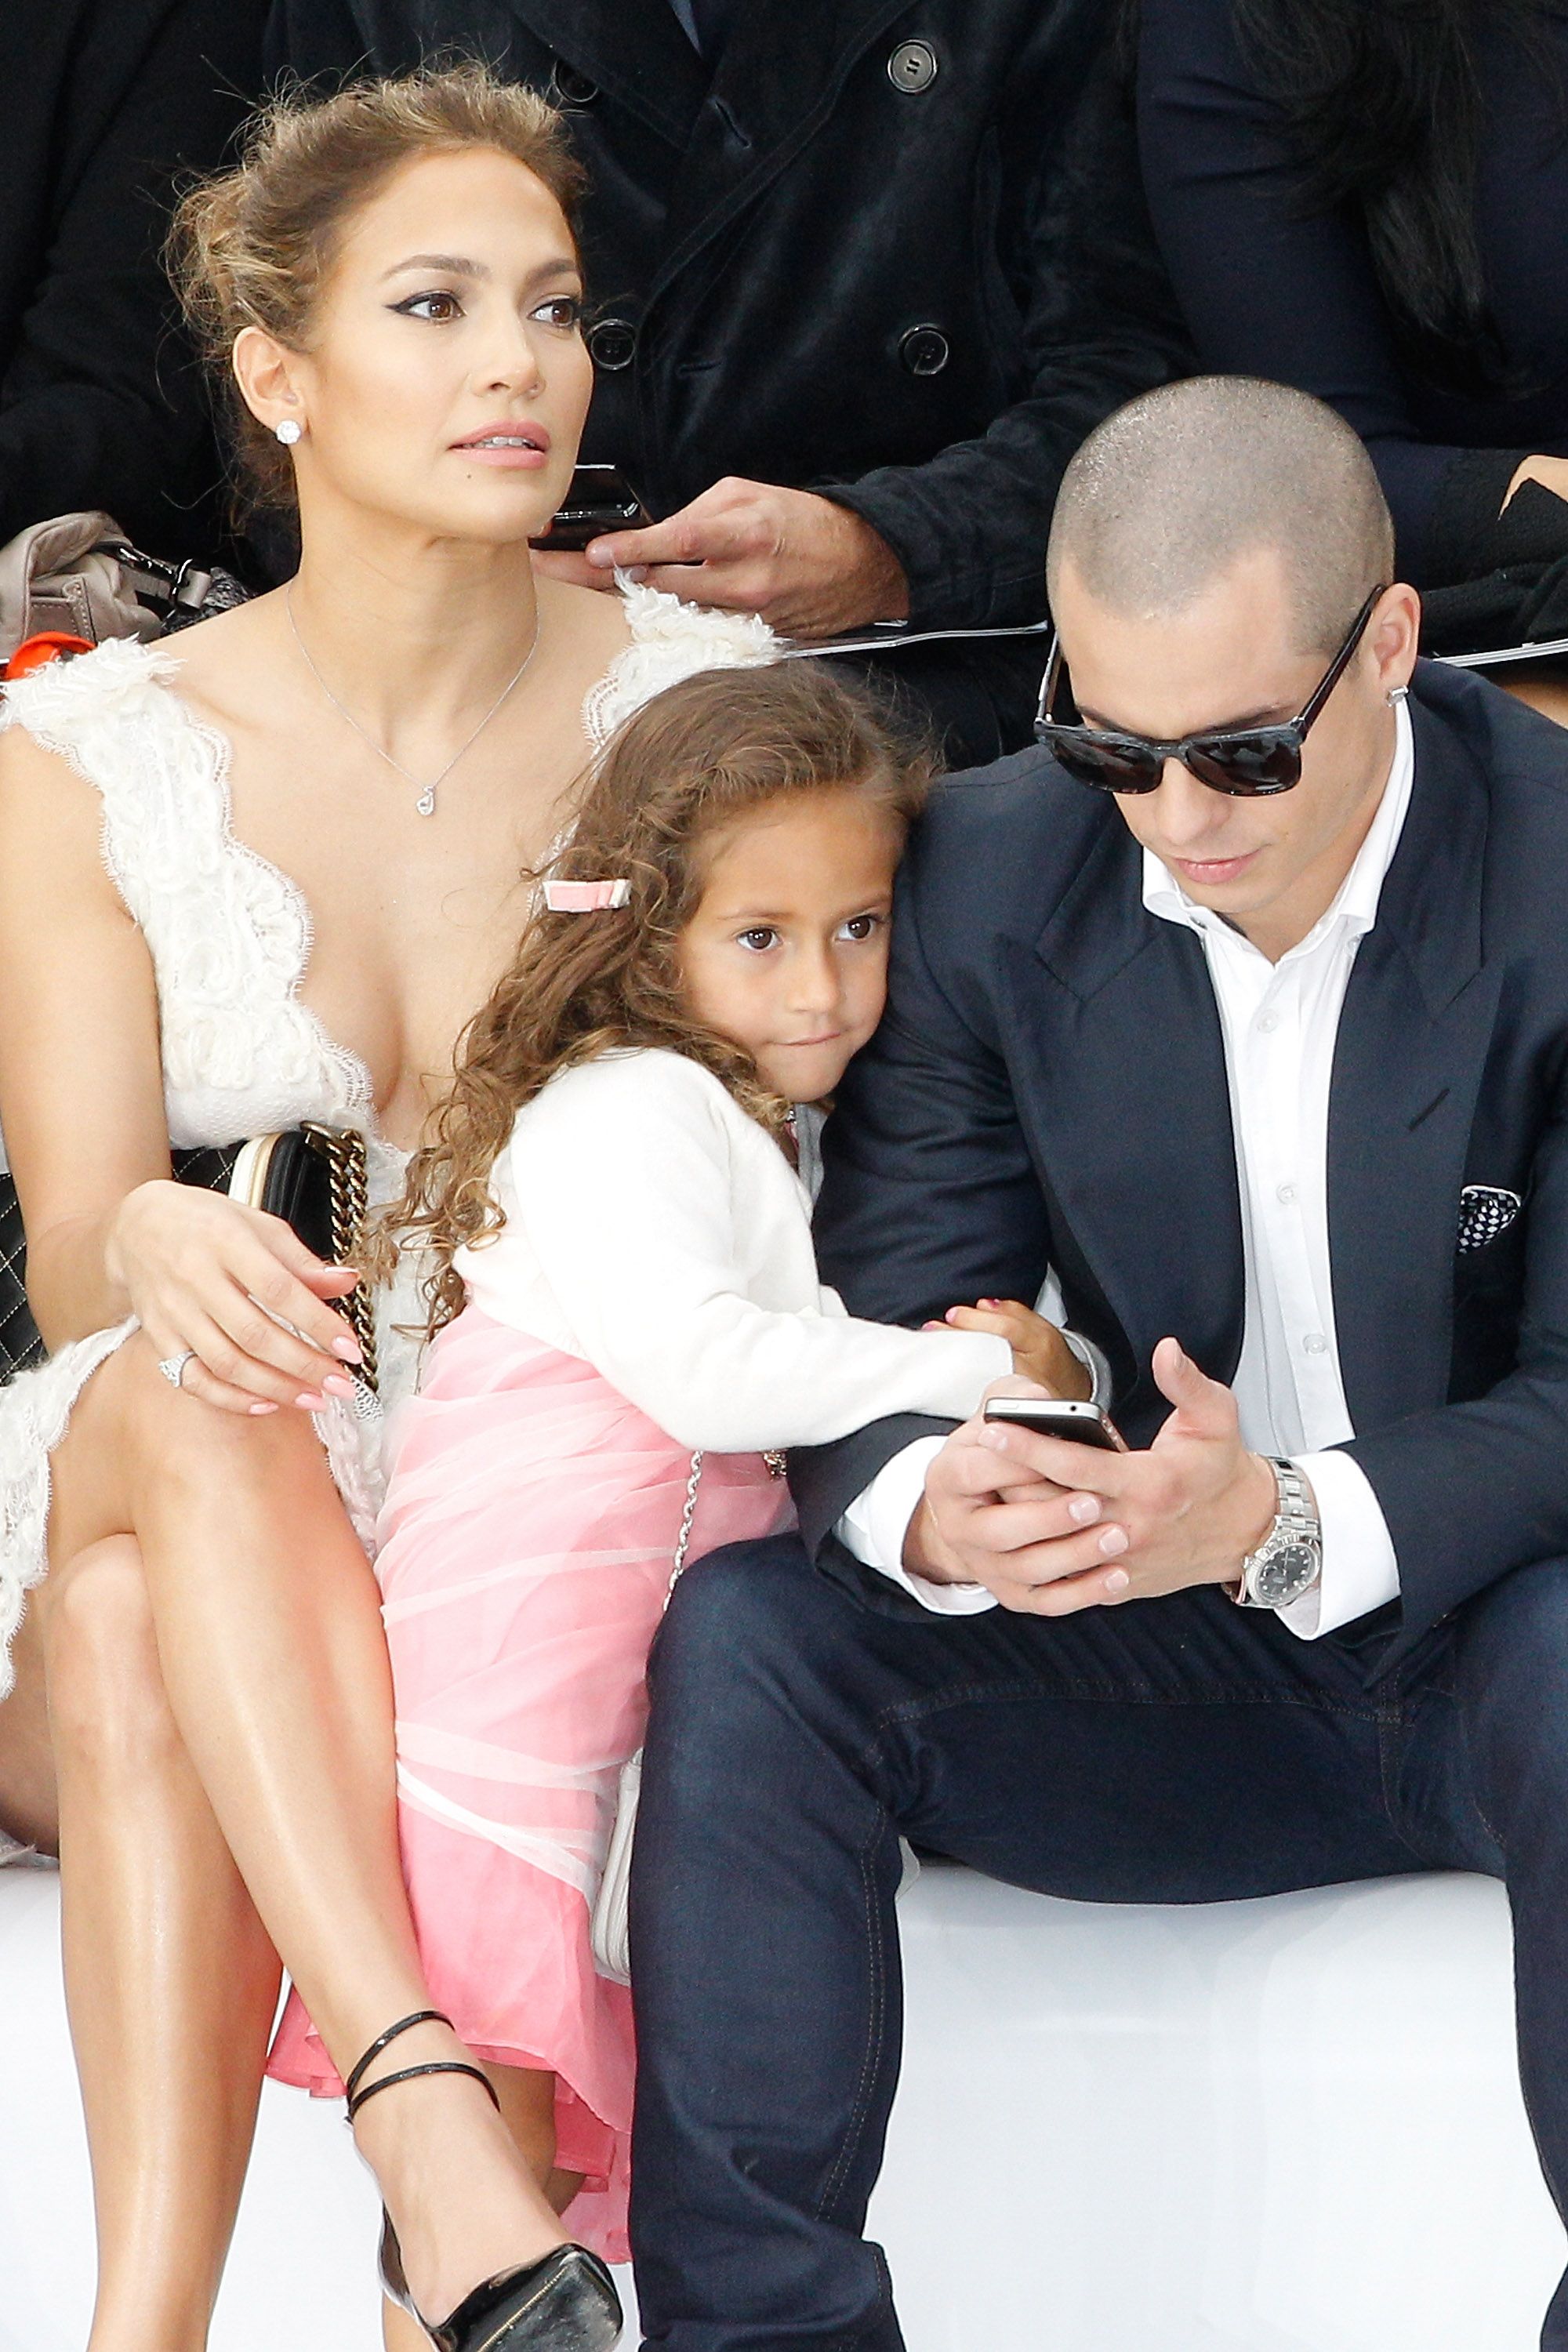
x=254, y=247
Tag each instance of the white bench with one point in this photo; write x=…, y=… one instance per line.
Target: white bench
x=1291, y=2126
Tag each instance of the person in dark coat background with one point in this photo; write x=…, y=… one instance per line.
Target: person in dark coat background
x=893, y=258
x=103, y=104
x=1371, y=203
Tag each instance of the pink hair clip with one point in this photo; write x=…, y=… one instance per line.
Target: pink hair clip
x=585, y=897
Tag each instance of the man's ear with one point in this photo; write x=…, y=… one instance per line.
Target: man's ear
x=268, y=373
x=1394, y=636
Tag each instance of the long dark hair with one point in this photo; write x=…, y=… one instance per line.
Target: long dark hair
x=1383, y=99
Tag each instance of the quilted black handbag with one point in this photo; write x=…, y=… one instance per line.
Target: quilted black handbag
x=311, y=1176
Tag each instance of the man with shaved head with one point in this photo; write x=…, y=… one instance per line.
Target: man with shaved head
x=1232, y=1022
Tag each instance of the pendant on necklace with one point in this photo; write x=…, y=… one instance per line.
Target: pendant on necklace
x=426, y=804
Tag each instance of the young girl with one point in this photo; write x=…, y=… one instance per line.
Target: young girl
x=627, y=1278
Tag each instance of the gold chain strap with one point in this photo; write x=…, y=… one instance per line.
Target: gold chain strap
x=342, y=1148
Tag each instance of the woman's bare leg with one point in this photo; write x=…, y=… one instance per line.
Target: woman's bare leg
x=29, y=1809
x=268, y=1632
x=528, y=2102
x=171, y=1979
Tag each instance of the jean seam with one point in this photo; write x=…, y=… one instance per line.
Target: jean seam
x=911, y=1710
x=876, y=2028
x=1388, y=1733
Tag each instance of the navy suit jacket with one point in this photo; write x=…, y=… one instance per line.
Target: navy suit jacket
x=1049, y=1087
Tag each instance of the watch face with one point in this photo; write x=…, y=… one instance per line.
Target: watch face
x=1286, y=1574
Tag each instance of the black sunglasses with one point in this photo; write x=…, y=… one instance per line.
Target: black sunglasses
x=1247, y=761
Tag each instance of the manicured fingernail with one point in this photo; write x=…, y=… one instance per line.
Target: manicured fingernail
x=260, y=1407
x=311, y=1404
x=1118, y=1581
x=1113, y=1540
x=933, y=1327
x=336, y=1385
x=347, y=1351
x=1083, y=1508
x=994, y=1435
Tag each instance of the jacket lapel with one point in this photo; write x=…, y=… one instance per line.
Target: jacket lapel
x=1412, y=1047
x=778, y=79
x=640, y=56
x=1120, y=1073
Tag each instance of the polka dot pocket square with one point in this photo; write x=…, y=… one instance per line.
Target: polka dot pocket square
x=1486, y=1212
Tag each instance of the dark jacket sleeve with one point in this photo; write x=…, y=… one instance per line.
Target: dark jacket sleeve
x=929, y=1195
x=1100, y=325
x=1270, y=290
x=100, y=404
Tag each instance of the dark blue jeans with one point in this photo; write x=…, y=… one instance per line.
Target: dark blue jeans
x=1175, y=1751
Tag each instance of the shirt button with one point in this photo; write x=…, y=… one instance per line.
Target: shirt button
x=1285, y=1193
x=912, y=67
x=1315, y=1344
x=924, y=351
x=1268, y=1023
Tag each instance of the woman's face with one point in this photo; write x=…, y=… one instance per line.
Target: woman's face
x=446, y=380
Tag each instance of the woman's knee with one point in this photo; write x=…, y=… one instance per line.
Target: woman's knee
x=106, y=1702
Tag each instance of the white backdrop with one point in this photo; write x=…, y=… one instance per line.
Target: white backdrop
x=1291, y=2126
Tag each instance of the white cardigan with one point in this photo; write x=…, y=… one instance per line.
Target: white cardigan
x=658, y=1233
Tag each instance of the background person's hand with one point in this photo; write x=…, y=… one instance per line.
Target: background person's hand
x=810, y=568
x=1039, y=1352
x=1550, y=473
x=205, y=1272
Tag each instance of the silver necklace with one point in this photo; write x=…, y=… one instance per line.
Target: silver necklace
x=426, y=804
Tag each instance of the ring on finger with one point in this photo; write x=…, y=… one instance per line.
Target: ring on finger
x=173, y=1366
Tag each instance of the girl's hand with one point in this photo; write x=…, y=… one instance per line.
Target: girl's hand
x=204, y=1272
x=1039, y=1352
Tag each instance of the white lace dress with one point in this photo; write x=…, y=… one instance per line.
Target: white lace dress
x=230, y=937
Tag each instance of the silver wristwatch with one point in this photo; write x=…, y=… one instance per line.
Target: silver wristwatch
x=1289, y=1560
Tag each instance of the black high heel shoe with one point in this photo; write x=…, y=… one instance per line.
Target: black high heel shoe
x=565, y=2302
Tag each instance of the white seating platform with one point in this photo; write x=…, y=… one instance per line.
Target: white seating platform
x=1290, y=2126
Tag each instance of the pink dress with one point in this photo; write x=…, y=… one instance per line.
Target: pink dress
x=526, y=1545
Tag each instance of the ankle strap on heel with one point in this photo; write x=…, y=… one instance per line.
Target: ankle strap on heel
x=357, y=2095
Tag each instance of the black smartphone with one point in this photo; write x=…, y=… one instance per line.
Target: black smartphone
x=1080, y=1424
x=600, y=498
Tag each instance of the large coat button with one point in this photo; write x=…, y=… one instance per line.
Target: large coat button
x=912, y=67
x=571, y=88
x=614, y=344
x=924, y=351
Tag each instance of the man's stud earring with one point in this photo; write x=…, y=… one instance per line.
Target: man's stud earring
x=287, y=429
x=1395, y=693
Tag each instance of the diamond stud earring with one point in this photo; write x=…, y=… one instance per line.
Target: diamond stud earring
x=287, y=429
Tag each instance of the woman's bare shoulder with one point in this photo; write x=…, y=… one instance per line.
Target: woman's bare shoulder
x=592, y=623
x=227, y=667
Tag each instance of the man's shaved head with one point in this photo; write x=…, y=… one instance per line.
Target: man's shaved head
x=1172, y=489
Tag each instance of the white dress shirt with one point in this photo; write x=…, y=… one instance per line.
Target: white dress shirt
x=1280, y=1022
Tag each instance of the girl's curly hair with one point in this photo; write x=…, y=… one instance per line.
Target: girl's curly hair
x=693, y=761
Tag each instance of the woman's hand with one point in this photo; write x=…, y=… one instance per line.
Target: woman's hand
x=204, y=1272
x=1550, y=473
x=1039, y=1352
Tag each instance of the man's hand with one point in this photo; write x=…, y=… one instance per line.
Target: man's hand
x=1051, y=1527
x=810, y=568
x=1039, y=1352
